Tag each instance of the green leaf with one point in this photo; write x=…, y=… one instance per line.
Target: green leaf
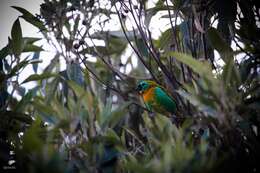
x=17, y=116
x=36, y=56
x=4, y=52
x=26, y=44
x=196, y=101
x=31, y=140
x=18, y=67
x=245, y=69
x=43, y=108
x=231, y=76
x=76, y=25
x=30, y=18
x=74, y=73
x=132, y=35
x=152, y=12
x=32, y=48
x=202, y=68
x=36, y=77
x=106, y=110
x=54, y=63
x=79, y=91
x=51, y=89
x=219, y=44
x=115, y=47
x=111, y=136
x=17, y=42
x=92, y=50
x=142, y=47
x=30, y=40
x=166, y=39
x=113, y=119
x=26, y=99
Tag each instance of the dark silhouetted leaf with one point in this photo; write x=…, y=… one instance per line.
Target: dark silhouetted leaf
x=18, y=67
x=4, y=52
x=219, y=44
x=17, y=42
x=30, y=18
x=32, y=48
x=27, y=98
x=30, y=40
x=42, y=76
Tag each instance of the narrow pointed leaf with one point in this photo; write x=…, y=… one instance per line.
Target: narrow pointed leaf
x=202, y=68
x=16, y=34
x=32, y=48
x=35, y=65
x=36, y=77
x=30, y=18
x=219, y=44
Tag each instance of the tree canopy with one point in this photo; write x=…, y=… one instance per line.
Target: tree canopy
x=89, y=117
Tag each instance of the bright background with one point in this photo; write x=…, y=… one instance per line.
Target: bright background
x=8, y=15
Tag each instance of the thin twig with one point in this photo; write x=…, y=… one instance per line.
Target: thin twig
x=137, y=53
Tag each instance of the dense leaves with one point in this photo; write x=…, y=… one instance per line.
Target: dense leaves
x=86, y=116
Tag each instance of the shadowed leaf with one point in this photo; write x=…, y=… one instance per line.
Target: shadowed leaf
x=36, y=77
x=30, y=18
x=16, y=33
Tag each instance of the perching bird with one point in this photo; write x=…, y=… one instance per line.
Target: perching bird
x=156, y=98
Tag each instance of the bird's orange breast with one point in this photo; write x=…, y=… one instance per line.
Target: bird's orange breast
x=148, y=95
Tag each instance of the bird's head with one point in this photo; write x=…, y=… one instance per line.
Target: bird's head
x=144, y=85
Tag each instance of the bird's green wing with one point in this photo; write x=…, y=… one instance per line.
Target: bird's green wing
x=164, y=100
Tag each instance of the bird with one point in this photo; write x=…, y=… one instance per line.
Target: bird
x=156, y=98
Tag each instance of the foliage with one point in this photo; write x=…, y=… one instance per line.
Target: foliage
x=89, y=118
